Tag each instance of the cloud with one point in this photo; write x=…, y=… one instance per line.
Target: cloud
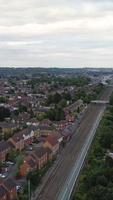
x=56, y=33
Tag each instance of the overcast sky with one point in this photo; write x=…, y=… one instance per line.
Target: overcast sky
x=56, y=33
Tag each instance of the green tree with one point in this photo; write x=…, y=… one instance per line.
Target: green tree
x=20, y=161
x=3, y=99
x=4, y=113
x=22, y=108
x=111, y=100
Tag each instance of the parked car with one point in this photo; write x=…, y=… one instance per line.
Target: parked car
x=3, y=175
x=10, y=163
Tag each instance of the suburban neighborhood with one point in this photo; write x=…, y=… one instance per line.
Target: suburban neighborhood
x=38, y=117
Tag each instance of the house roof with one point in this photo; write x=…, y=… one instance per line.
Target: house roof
x=42, y=109
x=31, y=162
x=17, y=137
x=4, y=145
x=9, y=184
x=46, y=121
x=57, y=135
x=74, y=105
x=48, y=150
x=39, y=152
x=3, y=191
x=67, y=132
x=25, y=131
x=52, y=140
x=44, y=127
x=7, y=125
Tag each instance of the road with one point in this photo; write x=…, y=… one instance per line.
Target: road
x=59, y=184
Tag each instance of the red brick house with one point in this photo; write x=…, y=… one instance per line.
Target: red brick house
x=49, y=154
x=10, y=186
x=36, y=160
x=28, y=166
x=22, y=138
x=52, y=143
x=4, y=150
x=8, y=189
x=41, y=157
x=17, y=141
x=3, y=193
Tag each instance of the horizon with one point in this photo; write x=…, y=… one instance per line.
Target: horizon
x=31, y=67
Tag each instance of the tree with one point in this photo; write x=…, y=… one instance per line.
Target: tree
x=34, y=178
x=57, y=97
x=4, y=113
x=56, y=114
x=62, y=103
x=22, y=108
x=12, y=155
x=97, y=183
x=106, y=139
x=3, y=99
x=111, y=100
x=67, y=96
x=7, y=134
x=109, y=161
x=1, y=165
x=102, y=180
x=20, y=161
x=23, y=197
x=78, y=109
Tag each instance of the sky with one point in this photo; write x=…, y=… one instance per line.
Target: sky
x=56, y=33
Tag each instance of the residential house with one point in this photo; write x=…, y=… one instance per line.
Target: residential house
x=23, y=138
x=67, y=133
x=32, y=122
x=10, y=186
x=58, y=136
x=46, y=122
x=3, y=193
x=41, y=157
x=61, y=124
x=8, y=189
x=36, y=160
x=52, y=143
x=17, y=141
x=40, y=111
x=22, y=118
x=28, y=135
x=8, y=127
x=28, y=166
x=4, y=150
x=43, y=130
x=73, y=107
x=49, y=154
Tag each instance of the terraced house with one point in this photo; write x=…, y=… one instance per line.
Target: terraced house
x=4, y=150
